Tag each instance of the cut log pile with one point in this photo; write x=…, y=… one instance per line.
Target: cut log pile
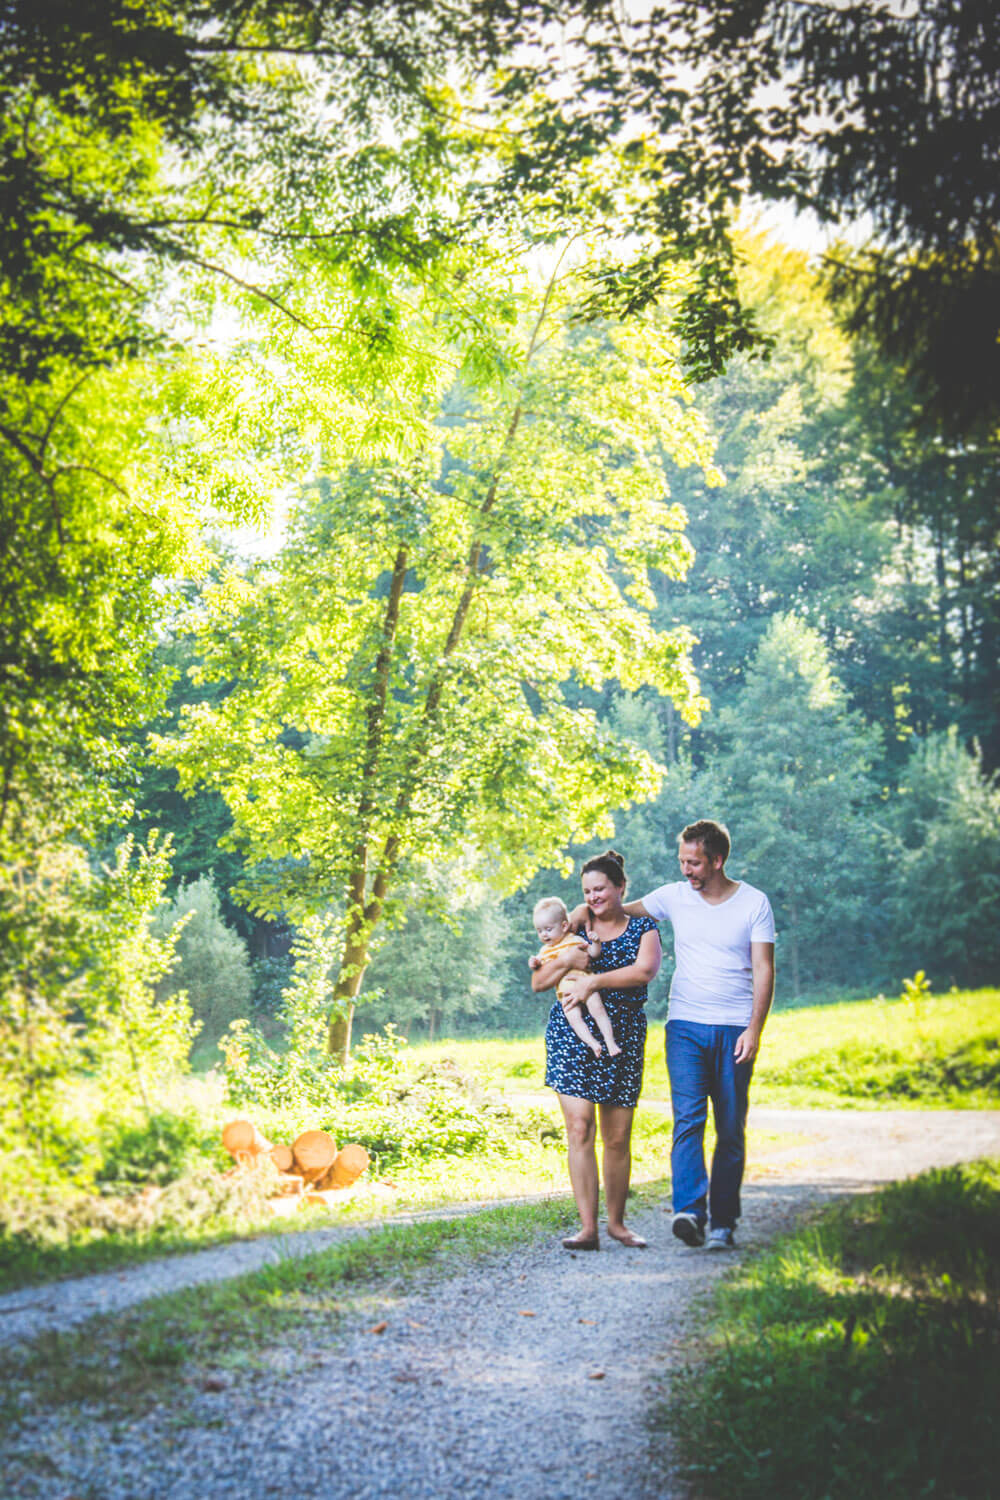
x=309, y=1171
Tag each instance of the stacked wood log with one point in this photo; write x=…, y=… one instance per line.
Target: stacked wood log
x=282, y=1158
x=314, y=1152
x=311, y=1169
x=351, y=1160
x=243, y=1141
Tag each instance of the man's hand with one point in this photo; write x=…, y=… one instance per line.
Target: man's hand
x=747, y=1044
x=579, y=987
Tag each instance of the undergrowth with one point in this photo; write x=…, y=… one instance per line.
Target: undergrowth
x=436, y=1137
x=860, y=1357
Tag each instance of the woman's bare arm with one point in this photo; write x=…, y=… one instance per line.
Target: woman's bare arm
x=554, y=969
x=632, y=977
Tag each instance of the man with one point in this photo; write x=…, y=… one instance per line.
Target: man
x=720, y=995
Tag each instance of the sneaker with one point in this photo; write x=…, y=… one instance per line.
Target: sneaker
x=721, y=1239
x=687, y=1228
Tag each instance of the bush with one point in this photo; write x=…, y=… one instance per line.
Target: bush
x=399, y=1110
x=77, y=1002
x=55, y=1231
x=875, y=1072
x=156, y=1151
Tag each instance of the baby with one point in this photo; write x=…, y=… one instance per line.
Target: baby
x=573, y=951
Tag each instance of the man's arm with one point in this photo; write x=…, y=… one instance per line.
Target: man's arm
x=578, y=916
x=762, y=964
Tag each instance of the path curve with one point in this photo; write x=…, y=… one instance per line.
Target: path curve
x=530, y=1375
x=852, y=1148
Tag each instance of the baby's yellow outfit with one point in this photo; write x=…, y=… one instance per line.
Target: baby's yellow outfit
x=569, y=941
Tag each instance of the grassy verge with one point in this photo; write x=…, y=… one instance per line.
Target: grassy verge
x=203, y=1337
x=861, y=1357
x=936, y=1052
x=526, y=1169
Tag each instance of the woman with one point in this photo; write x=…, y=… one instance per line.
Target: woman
x=585, y=1083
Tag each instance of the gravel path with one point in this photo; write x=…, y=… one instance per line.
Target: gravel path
x=530, y=1375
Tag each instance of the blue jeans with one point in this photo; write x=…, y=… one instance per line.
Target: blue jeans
x=701, y=1067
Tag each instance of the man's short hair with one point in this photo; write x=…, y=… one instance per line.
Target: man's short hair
x=712, y=836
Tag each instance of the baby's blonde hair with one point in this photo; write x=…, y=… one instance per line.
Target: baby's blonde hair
x=550, y=903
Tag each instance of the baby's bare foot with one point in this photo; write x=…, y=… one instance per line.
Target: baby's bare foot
x=614, y=1050
x=595, y=1048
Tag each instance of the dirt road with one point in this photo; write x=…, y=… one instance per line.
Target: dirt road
x=530, y=1375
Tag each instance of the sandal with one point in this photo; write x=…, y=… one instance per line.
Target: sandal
x=630, y=1241
x=582, y=1242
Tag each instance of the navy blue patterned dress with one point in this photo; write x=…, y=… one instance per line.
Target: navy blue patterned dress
x=570, y=1066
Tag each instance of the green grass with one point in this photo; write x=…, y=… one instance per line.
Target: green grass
x=858, y=1358
x=941, y=1051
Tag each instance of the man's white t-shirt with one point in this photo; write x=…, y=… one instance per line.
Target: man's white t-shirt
x=713, y=980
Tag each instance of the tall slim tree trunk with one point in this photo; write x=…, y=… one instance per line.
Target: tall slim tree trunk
x=362, y=913
x=671, y=734
x=353, y=964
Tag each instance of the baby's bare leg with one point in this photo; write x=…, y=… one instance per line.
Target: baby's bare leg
x=579, y=1026
x=596, y=1007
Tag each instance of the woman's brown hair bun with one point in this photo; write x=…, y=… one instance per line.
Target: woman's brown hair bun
x=611, y=864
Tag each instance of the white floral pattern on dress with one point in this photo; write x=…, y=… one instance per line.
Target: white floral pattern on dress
x=570, y=1066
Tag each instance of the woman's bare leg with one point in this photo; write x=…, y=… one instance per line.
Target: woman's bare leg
x=616, y=1133
x=581, y=1133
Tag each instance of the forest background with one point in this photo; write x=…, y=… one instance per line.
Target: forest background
x=420, y=470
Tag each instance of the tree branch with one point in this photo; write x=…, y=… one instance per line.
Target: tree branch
x=249, y=286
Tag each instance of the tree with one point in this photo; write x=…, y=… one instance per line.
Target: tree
x=945, y=870
x=783, y=535
x=873, y=113
x=793, y=765
x=124, y=131
x=446, y=960
x=152, y=156
x=931, y=636
x=212, y=968
x=399, y=674
x=839, y=508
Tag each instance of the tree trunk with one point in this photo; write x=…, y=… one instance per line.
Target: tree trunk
x=344, y=995
x=361, y=917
